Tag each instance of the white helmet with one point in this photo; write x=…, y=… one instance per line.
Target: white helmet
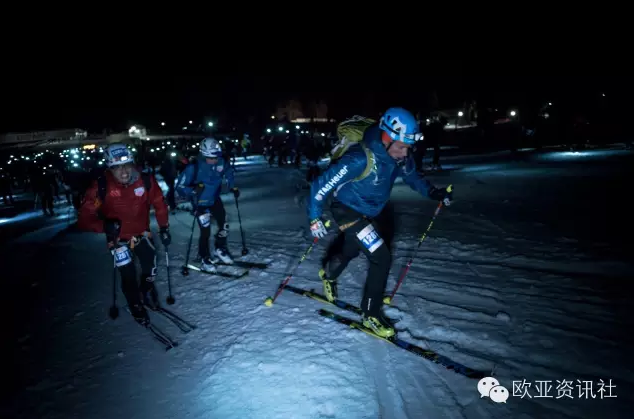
x=210, y=148
x=117, y=154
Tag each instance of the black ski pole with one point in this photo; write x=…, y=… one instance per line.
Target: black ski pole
x=245, y=251
x=185, y=269
x=114, y=310
x=170, y=298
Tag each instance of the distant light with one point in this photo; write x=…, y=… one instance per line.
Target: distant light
x=268, y=130
x=162, y=124
x=296, y=126
x=460, y=113
x=100, y=163
x=75, y=165
x=87, y=158
x=513, y=113
x=27, y=158
x=173, y=154
x=280, y=129
x=323, y=134
x=603, y=94
x=287, y=131
x=272, y=116
x=152, y=150
x=168, y=143
x=191, y=122
x=550, y=104
x=134, y=149
x=210, y=124
x=184, y=127
x=427, y=120
x=50, y=165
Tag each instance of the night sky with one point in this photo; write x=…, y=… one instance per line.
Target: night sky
x=96, y=98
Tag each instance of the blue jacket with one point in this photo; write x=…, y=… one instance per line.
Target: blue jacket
x=210, y=175
x=367, y=196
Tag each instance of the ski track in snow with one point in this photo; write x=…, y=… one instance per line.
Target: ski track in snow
x=489, y=292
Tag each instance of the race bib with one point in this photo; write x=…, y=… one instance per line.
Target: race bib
x=370, y=238
x=204, y=219
x=122, y=256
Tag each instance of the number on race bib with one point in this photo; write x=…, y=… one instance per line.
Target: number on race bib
x=370, y=238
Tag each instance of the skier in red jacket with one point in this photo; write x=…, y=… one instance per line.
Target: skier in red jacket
x=118, y=204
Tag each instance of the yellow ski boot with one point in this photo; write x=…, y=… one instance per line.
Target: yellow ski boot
x=379, y=326
x=330, y=286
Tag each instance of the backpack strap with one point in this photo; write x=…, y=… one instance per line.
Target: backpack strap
x=371, y=163
x=102, y=191
x=147, y=181
x=192, y=182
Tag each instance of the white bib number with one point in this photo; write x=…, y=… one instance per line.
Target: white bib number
x=205, y=219
x=370, y=238
x=122, y=256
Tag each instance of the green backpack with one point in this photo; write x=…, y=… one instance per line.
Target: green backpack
x=351, y=132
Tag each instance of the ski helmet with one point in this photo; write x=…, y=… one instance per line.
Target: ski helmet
x=400, y=125
x=117, y=154
x=209, y=147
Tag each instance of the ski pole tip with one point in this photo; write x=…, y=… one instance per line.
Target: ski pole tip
x=268, y=302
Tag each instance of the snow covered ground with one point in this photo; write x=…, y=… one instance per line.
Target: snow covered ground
x=528, y=274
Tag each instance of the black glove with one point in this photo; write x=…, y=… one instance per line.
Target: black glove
x=166, y=237
x=442, y=194
x=236, y=192
x=112, y=228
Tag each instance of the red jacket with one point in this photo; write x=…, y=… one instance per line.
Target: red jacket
x=128, y=203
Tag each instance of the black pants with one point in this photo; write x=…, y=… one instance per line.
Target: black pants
x=46, y=200
x=204, y=215
x=142, y=248
x=373, y=238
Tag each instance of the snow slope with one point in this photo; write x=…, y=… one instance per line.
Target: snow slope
x=520, y=276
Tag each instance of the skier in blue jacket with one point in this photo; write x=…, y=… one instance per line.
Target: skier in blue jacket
x=202, y=182
x=358, y=200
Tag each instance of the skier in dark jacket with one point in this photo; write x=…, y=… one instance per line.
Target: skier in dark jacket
x=359, y=199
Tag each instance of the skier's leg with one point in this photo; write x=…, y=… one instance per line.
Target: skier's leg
x=204, y=222
x=380, y=259
x=146, y=252
x=221, y=250
x=130, y=289
x=340, y=251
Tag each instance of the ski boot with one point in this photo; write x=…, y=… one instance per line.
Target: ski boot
x=140, y=314
x=222, y=254
x=330, y=286
x=150, y=298
x=379, y=326
x=207, y=265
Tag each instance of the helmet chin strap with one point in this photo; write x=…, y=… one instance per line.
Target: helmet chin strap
x=398, y=161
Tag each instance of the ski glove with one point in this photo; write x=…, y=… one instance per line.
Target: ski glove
x=112, y=228
x=236, y=192
x=441, y=194
x=166, y=237
x=317, y=228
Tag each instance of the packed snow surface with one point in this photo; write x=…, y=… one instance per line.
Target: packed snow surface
x=523, y=276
